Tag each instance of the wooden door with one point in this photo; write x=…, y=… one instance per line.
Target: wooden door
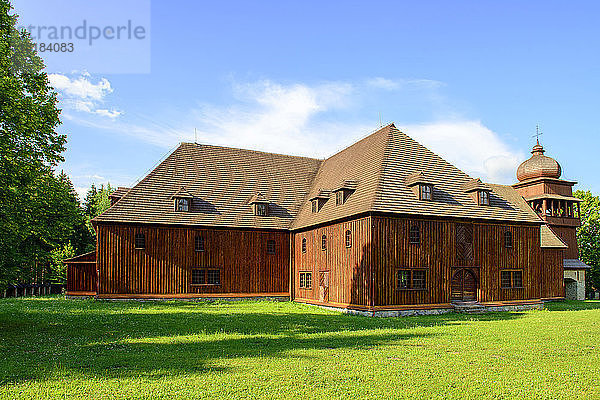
x=463, y=286
x=324, y=286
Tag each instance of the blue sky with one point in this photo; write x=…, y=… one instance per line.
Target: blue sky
x=469, y=79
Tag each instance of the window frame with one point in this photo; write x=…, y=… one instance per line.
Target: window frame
x=303, y=283
x=414, y=235
x=483, y=198
x=508, y=239
x=303, y=245
x=411, y=279
x=324, y=242
x=512, y=274
x=348, y=238
x=426, y=192
x=340, y=198
x=182, y=200
x=199, y=243
x=270, y=246
x=139, y=236
x=261, y=209
x=204, y=273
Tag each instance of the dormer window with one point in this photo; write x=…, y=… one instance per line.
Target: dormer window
x=484, y=197
x=479, y=191
x=421, y=186
x=343, y=192
x=182, y=200
x=319, y=200
x=260, y=204
x=426, y=192
x=261, y=209
x=339, y=197
x=182, y=205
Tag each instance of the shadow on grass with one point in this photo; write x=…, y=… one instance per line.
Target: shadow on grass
x=91, y=338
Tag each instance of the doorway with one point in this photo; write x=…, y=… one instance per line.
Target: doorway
x=324, y=286
x=463, y=286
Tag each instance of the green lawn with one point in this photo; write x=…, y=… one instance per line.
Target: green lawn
x=56, y=348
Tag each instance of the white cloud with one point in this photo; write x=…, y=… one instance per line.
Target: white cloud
x=318, y=120
x=82, y=95
x=470, y=146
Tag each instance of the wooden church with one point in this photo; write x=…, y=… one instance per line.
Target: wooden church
x=383, y=225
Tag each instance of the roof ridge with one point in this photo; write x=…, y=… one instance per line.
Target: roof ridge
x=361, y=139
x=249, y=150
x=382, y=166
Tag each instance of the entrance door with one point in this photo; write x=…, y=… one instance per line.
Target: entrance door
x=324, y=286
x=463, y=286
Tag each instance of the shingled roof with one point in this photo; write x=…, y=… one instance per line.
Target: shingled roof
x=223, y=181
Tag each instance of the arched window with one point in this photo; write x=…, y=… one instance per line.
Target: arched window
x=414, y=235
x=324, y=242
x=304, y=245
x=508, y=239
x=348, y=238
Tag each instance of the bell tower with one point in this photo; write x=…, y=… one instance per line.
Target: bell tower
x=552, y=199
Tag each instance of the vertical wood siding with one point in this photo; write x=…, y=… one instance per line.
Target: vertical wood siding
x=164, y=266
x=348, y=268
x=81, y=277
x=437, y=253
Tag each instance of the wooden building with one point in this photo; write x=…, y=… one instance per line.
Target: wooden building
x=384, y=224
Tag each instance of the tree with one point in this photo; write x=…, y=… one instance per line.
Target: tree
x=96, y=202
x=29, y=149
x=58, y=269
x=588, y=236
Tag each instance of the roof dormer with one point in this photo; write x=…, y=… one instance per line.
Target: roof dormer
x=479, y=191
x=344, y=191
x=319, y=200
x=182, y=200
x=260, y=204
x=421, y=186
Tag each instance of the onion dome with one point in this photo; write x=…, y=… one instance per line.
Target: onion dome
x=538, y=166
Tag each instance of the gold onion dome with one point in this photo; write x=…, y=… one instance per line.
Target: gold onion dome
x=538, y=166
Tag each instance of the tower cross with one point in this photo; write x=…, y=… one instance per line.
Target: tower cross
x=537, y=134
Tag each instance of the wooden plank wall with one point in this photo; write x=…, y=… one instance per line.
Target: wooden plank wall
x=552, y=273
x=569, y=236
x=81, y=277
x=348, y=267
x=164, y=266
x=437, y=254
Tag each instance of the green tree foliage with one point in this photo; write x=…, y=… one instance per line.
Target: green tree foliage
x=96, y=202
x=58, y=269
x=39, y=210
x=588, y=236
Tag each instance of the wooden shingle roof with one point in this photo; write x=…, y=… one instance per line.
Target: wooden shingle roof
x=223, y=181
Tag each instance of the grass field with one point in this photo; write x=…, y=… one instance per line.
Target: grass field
x=56, y=348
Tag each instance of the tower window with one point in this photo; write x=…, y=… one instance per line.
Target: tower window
x=324, y=242
x=315, y=206
x=348, y=238
x=304, y=245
